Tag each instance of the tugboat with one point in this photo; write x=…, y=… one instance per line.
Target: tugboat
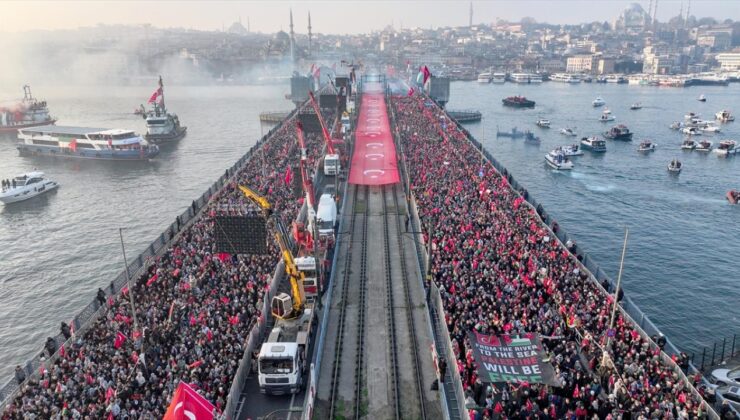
x=636, y=106
x=557, y=160
x=704, y=146
x=619, y=132
x=23, y=114
x=26, y=186
x=518, y=102
x=675, y=166
x=593, y=144
x=543, y=123
x=646, y=146
x=161, y=126
x=701, y=98
x=606, y=116
x=724, y=116
x=733, y=196
x=688, y=144
x=567, y=131
x=726, y=148
x=598, y=102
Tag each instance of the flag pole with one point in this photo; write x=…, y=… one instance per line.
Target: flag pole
x=616, y=292
x=130, y=287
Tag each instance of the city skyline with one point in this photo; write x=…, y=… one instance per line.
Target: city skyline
x=331, y=17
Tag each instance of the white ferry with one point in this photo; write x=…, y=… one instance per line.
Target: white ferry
x=556, y=159
x=566, y=78
x=84, y=143
x=26, y=186
x=593, y=144
x=498, y=78
x=526, y=78
x=485, y=77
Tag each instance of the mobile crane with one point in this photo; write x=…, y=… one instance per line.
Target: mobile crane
x=332, y=166
x=281, y=363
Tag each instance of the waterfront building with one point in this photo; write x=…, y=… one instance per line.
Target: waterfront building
x=580, y=64
x=729, y=61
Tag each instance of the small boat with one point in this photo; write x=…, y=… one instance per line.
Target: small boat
x=636, y=105
x=724, y=116
x=557, y=160
x=543, y=123
x=691, y=115
x=26, y=186
x=29, y=112
x=704, y=146
x=726, y=148
x=675, y=166
x=676, y=125
x=530, y=137
x=701, y=98
x=572, y=150
x=598, y=102
x=514, y=133
x=646, y=146
x=691, y=131
x=518, y=102
x=606, y=116
x=593, y=144
x=485, y=77
x=567, y=131
x=709, y=128
x=688, y=144
x=619, y=132
x=162, y=126
x=733, y=196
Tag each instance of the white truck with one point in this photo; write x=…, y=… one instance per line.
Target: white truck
x=332, y=167
x=326, y=216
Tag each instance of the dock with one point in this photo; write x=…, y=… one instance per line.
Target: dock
x=273, y=117
x=465, y=116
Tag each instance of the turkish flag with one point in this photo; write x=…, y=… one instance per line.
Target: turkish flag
x=120, y=339
x=427, y=74
x=188, y=405
x=154, y=96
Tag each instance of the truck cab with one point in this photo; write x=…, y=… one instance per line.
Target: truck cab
x=326, y=216
x=332, y=167
x=310, y=283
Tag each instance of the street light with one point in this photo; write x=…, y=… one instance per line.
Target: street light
x=130, y=287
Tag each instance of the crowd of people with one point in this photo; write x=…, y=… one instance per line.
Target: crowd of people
x=194, y=308
x=501, y=271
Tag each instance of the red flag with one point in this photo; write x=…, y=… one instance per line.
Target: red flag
x=576, y=392
x=288, y=176
x=120, y=339
x=62, y=352
x=152, y=279
x=124, y=290
x=427, y=74
x=209, y=335
x=154, y=96
x=195, y=364
x=73, y=145
x=498, y=409
x=188, y=404
x=109, y=393
x=411, y=91
x=233, y=320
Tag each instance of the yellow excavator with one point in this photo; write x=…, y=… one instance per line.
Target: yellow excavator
x=283, y=306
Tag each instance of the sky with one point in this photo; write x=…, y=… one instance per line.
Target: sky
x=334, y=17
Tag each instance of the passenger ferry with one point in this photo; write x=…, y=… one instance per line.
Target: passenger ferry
x=594, y=144
x=23, y=114
x=615, y=78
x=84, y=143
x=498, y=78
x=619, y=132
x=726, y=148
x=26, y=186
x=566, y=78
x=526, y=78
x=485, y=77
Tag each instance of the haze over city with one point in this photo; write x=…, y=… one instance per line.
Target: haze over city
x=331, y=16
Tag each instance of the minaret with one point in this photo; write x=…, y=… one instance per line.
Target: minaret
x=309, y=34
x=688, y=10
x=680, y=12
x=248, y=28
x=470, y=18
x=655, y=14
x=292, y=38
x=650, y=13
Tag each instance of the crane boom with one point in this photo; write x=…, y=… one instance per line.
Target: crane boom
x=307, y=183
x=325, y=132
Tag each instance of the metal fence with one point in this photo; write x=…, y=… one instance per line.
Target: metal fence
x=83, y=320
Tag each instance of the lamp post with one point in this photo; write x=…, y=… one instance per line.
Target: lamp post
x=130, y=286
x=616, y=292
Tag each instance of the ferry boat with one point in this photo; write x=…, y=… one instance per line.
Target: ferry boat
x=26, y=186
x=615, y=78
x=607, y=116
x=557, y=160
x=518, y=102
x=701, y=98
x=84, y=143
x=704, y=146
x=646, y=146
x=28, y=112
x=161, y=126
x=572, y=150
x=598, y=102
x=566, y=78
x=688, y=144
x=485, y=77
x=498, y=78
x=675, y=166
x=726, y=148
x=593, y=144
x=567, y=131
x=733, y=196
x=636, y=106
x=724, y=116
x=543, y=122
x=619, y=132
x=526, y=78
